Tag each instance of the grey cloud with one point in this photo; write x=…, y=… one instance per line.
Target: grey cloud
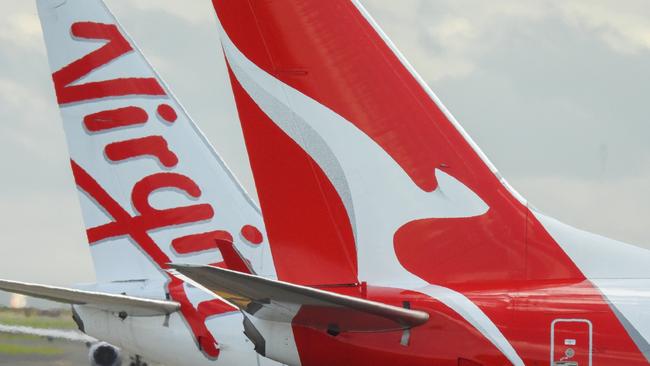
x=623, y=26
x=194, y=12
x=618, y=209
x=21, y=27
x=542, y=86
x=553, y=91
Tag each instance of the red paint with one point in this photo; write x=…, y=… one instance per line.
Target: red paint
x=115, y=47
x=232, y=258
x=70, y=88
x=137, y=229
x=444, y=339
x=349, y=69
x=306, y=223
x=155, y=146
x=252, y=234
x=196, y=318
x=151, y=218
x=149, y=184
x=167, y=113
x=540, y=302
x=214, y=307
x=466, y=362
x=437, y=250
x=199, y=242
x=397, y=114
x=208, y=309
x=571, y=342
x=328, y=51
x=115, y=118
x=523, y=311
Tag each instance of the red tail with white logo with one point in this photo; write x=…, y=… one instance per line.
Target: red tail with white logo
x=352, y=153
x=364, y=176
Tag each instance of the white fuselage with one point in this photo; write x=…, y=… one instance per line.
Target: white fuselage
x=168, y=339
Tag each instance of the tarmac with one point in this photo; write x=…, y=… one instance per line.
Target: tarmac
x=33, y=337
x=21, y=350
x=37, y=337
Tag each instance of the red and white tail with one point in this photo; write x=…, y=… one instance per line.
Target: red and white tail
x=152, y=189
x=362, y=173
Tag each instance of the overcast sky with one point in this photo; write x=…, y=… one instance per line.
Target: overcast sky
x=555, y=92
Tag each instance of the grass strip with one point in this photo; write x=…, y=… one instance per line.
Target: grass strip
x=19, y=349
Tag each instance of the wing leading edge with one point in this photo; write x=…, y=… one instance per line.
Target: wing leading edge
x=285, y=302
x=134, y=306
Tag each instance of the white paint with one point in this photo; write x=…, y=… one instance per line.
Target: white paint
x=619, y=270
x=475, y=316
x=437, y=101
x=280, y=341
x=197, y=158
x=172, y=345
x=119, y=258
x=597, y=256
x=382, y=196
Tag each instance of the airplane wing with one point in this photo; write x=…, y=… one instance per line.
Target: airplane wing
x=133, y=306
x=285, y=302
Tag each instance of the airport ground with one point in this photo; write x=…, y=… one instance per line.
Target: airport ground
x=32, y=350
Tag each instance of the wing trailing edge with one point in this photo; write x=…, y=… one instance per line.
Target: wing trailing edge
x=300, y=305
x=134, y=306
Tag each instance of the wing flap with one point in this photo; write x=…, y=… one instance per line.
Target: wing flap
x=133, y=306
x=285, y=302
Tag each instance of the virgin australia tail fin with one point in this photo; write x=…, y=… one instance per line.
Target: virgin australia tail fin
x=152, y=189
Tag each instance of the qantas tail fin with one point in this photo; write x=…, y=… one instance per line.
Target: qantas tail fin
x=362, y=173
x=152, y=189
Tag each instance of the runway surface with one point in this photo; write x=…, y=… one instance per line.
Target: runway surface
x=30, y=337
x=21, y=350
x=33, y=337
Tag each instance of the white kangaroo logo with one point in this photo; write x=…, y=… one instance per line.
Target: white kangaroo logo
x=377, y=193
